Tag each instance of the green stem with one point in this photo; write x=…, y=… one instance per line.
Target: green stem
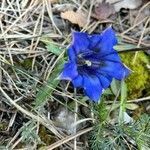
x=122, y=102
x=135, y=49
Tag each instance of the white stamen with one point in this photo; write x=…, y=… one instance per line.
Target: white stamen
x=89, y=63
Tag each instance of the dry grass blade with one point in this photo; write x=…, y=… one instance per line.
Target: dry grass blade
x=34, y=37
x=141, y=37
x=134, y=25
x=23, y=14
x=46, y=123
x=68, y=138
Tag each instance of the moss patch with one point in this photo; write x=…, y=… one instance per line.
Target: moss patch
x=139, y=78
x=45, y=136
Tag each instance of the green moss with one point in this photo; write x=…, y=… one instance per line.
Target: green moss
x=139, y=78
x=27, y=63
x=3, y=126
x=45, y=136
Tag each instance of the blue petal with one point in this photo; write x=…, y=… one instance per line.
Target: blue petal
x=71, y=53
x=78, y=81
x=95, y=40
x=105, y=42
x=108, y=40
x=80, y=41
x=105, y=80
x=69, y=72
x=111, y=57
x=114, y=69
x=92, y=87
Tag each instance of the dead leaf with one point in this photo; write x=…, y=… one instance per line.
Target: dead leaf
x=79, y=17
x=53, y=1
x=127, y=4
x=103, y=10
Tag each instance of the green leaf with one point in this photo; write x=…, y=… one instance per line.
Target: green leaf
x=131, y=106
x=122, y=102
x=28, y=133
x=124, y=47
x=107, y=92
x=47, y=89
x=54, y=49
x=115, y=86
x=123, y=91
x=52, y=46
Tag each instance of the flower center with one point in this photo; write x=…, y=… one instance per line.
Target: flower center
x=89, y=62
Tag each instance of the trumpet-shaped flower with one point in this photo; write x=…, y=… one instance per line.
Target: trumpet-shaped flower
x=93, y=62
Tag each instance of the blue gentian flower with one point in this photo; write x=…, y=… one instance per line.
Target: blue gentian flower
x=93, y=62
